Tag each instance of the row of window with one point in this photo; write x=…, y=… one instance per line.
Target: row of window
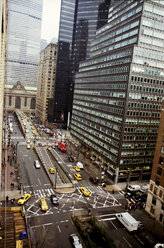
x=138, y=145
x=101, y=86
x=142, y=122
x=146, y=89
x=98, y=100
x=100, y=93
x=98, y=113
x=143, y=114
x=137, y=153
x=99, y=66
x=102, y=79
x=141, y=130
x=136, y=161
x=144, y=105
x=147, y=80
x=106, y=123
x=105, y=71
x=106, y=58
x=140, y=137
x=145, y=97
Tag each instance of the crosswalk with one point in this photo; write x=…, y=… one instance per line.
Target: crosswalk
x=40, y=192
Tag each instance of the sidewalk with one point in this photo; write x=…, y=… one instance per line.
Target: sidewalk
x=10, y=180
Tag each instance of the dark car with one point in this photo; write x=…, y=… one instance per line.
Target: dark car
x=94, y=180
x=75, y=241
x=70, y=159
x=54, y=200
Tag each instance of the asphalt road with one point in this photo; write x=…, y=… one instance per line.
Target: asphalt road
x=52, y=228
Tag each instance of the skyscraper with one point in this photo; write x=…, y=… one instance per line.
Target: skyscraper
x=23, y=41
x=119, y=89
x=3, y=23
x=78, y=23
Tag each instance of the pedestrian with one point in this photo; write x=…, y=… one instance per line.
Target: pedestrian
x=11, y=173
x=7, y=198
x=8, y=158
x=113, y=191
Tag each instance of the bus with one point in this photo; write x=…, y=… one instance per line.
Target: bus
x=62, y=147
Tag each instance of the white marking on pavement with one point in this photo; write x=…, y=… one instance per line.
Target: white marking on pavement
x=27, y=186
x=59, y=228
x=108, y=219
x=39, y=181
x=113, y=224
x=126, y=241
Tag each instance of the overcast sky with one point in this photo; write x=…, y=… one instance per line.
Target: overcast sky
x=50, y=19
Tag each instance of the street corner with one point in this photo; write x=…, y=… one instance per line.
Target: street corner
x=112, y=188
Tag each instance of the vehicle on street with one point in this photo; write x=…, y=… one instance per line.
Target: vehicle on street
x=28, y=141
x=94, y=180
x=159, y=246
x=24, y=198
x=28, y=146
x=32, y=128
x=133, y=188
x=54, y=200
x=128, y=221
x=80, y=165
x=62, y=147
x=85, y=191
x=37, y=164
x=77, y=176
x=75, y=241
x=33, y=132
x=76, y=168
x=43, y=204
x=37, y=138
x=70, y=159
x=51, y=170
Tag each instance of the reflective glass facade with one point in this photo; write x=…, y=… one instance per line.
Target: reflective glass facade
x=23, y=41
x=119, y=89
x=78, y=23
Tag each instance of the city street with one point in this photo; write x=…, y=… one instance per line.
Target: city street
x=53, y=227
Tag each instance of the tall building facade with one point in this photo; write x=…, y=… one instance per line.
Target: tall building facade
x=3, y=25
x=46, y=77
x=155, y=199
x=23, y=41
x=119, y=89
x=78, y=23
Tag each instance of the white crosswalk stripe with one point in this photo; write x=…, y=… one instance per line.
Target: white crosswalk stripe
x=40, y=192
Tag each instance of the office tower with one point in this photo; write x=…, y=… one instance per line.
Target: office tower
x=23, y=41
x=155, y=198
x=78, y=23
x=45, y=89
x=119, y=90
x=3, y=24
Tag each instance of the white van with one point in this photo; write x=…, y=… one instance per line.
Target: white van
x=37, y=164
x=128, y=221
x=133, y=188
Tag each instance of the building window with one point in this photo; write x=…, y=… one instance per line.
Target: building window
x=161, y=217
x=10, y=100
x=154, y=200
x=159, y=171
x=161, y=160
x=155, y=190
x=162, y=206
x=152, y=209
x=32, y=105
x=25, y=101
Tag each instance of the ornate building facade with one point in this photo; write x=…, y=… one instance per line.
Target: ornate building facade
x=20, y=97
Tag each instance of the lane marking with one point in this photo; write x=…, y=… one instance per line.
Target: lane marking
x=108, y=219
x=126, y=241
x=59, y=228
x=39, y=181
x=113, y=224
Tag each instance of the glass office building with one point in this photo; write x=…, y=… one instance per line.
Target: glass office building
x=119, y=90
x=23, y=41
x=78, y=24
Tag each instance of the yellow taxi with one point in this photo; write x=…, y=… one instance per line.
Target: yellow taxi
x=37, y=138
x=28, y=146
x=77, y=176
x=51, y=170
x=33, y=132
x=47, y=138
x=43, y=204
x=28, y=141
x=23, y=199
x=32, y=128
x=85, y=191
x=76, y=168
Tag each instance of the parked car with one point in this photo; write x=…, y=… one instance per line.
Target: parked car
x=75, y=241
x=71, y=159
x=54, y=199
x=133, y=188
x=37, y=164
